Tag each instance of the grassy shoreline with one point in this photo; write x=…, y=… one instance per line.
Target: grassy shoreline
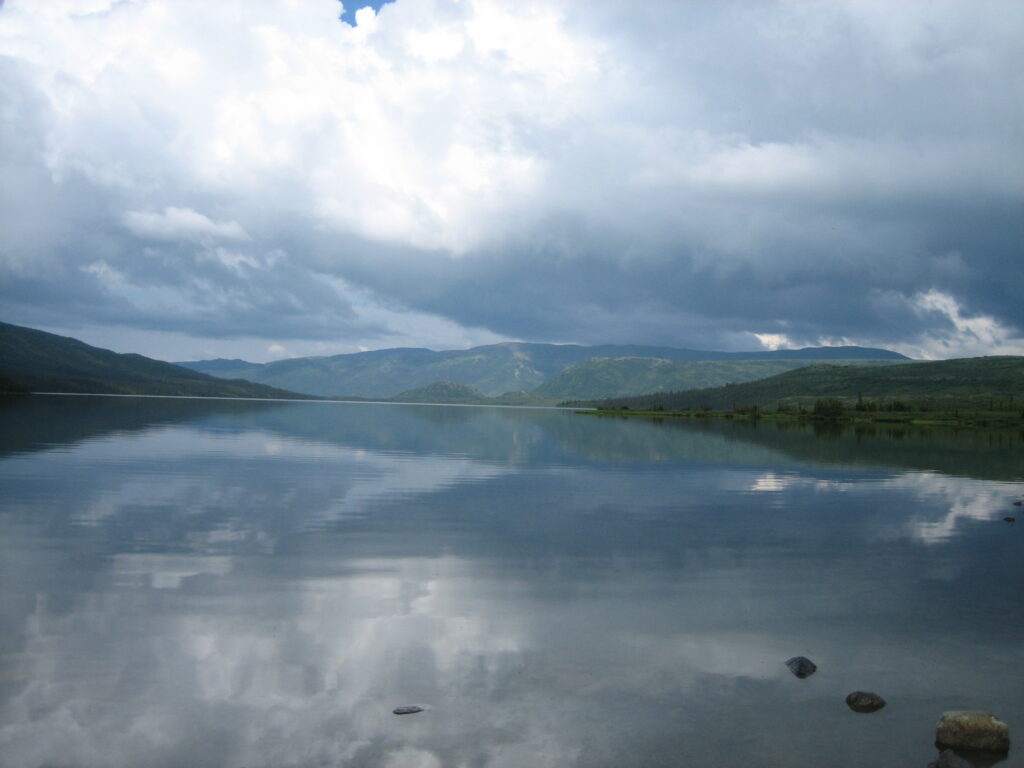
x=973, y=418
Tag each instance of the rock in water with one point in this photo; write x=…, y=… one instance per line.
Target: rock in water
x=978, y=731
x=864, y=701
x=801, y=666
x=407, y=710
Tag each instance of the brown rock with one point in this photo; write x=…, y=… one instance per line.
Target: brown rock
x=972, y=730
x=864, y=702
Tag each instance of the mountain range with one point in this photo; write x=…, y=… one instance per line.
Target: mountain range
x=510, y=374
x=548, y=372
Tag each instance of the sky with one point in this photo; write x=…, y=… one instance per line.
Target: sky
x=274, y=178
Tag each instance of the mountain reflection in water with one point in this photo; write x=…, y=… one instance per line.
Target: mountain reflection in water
x=228, y=583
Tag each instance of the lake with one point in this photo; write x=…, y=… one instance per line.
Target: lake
x=196, y=583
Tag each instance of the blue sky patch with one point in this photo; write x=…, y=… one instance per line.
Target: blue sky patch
x=351, y=6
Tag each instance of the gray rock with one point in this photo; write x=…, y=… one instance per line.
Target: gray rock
x=972, y=731
x=801, y=666
x=407, y=710
x=864, y=701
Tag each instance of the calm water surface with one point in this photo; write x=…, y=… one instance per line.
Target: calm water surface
x=228, y=583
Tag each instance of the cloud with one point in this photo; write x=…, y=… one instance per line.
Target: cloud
x=181, y=224
x=965, y=336
x=773, y=340
x=559, y=171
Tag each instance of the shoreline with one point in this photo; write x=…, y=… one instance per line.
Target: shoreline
x=970, y=419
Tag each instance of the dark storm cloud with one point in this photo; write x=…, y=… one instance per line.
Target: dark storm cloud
x=663, y=293
x=685, y=173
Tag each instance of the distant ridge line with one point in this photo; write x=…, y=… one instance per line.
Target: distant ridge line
x=493, y=369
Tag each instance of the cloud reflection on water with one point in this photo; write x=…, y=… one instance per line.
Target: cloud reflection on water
x=269, y=607
x=942, y=502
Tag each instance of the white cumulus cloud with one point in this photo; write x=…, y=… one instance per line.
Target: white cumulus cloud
x=181, y=224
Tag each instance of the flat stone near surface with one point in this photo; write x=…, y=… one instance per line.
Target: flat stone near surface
x=801, y=666
x=406, y=710
x=972, y=730
x=864, y=701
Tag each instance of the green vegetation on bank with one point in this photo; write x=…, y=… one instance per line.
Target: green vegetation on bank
x=36, y=361
x=983, y=391
x=982, y=412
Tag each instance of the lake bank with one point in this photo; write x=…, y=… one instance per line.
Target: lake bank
x=984, y=419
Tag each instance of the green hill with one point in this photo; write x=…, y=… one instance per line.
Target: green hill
x=449, y=392
x=36, y=361
x=968, y=378
x=388, y=372
x=441, y=392
x=627, y=376
x=492, y=369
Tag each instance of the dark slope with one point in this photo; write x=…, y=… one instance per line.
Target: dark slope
x=968, y=377
x=632, y=376
x=45, y=362
x=215, y=366
x=806, y=353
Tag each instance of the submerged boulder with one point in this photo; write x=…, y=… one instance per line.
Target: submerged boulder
x=801, y=666
x=978, y=731
x=864, y=701
x=406, y=710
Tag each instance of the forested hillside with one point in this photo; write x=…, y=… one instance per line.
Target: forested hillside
x=978, y=377
x=33, y=360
